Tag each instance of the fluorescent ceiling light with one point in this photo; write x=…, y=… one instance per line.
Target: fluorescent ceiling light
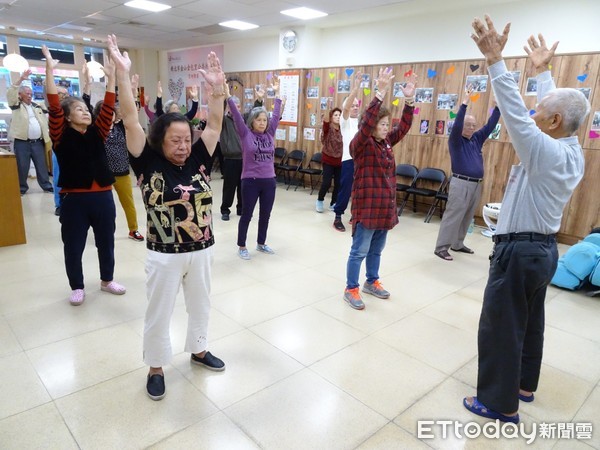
x=238, y=25
x=147, y=5
x=303, y=13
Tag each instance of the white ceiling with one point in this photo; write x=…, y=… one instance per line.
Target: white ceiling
x=195, y=22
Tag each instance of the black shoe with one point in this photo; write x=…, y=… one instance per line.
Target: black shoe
x=225, y=217
x=239, y=213
x=464, y=249
x=50, y=190
x=338, y=225
x=57, y=211
x=155, y=386
x=209, y=361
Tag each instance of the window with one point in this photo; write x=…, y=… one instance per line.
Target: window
x=94, y=54
x=2, y=45
x=31, y=49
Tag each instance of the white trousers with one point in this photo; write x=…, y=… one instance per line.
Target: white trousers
x=165, y=272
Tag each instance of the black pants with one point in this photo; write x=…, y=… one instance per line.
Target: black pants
x=330, y=172
x=232, y=184
x=511, y=327
x=79, y=212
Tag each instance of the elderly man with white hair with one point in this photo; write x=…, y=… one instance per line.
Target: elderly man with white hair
x=29, y=130
x=511, y=327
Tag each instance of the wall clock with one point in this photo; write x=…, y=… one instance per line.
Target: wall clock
x=289, y=41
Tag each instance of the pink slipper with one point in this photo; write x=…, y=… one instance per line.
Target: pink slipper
x=77, y=297
x=114, y=288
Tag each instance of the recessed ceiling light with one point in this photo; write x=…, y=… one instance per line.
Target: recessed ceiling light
x=147, y=5
x=238, y=25
x=303, y=13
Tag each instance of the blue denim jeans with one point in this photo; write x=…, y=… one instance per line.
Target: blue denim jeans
x=365, y=244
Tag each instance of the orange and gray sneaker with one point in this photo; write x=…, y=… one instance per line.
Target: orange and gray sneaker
x=375, y=288
x=352, y=297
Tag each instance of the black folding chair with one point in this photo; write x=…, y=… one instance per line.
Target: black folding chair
x=292, y=164
x=440, y=197
x=406, y=175
x=312, y=169
x=279, y=159
x=429, y=176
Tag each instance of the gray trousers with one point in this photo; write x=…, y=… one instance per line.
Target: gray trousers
x=25, y=151
x=463, y=198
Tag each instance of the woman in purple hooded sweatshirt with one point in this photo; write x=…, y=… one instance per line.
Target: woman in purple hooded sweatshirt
x=257, y=136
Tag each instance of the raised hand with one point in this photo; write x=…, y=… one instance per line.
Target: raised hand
x=384, y=80
x=50, y=63
x=260, y=92
x=539, y=54
x=214, y=76
x=120, y=60
x=275, y=84
x=109, y=68
x=411, y=86
x=25, y=75
x=489, y=42
x=468, y=91
x=85, y=73
x=135, y=82
x=194, y=93
x=159, y=89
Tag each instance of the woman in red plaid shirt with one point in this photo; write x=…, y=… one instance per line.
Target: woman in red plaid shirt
x=374, y=188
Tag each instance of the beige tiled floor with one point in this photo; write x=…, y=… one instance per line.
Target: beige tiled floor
x=303, y=369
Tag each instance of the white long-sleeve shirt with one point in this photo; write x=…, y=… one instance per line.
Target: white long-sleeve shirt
x=541, y=185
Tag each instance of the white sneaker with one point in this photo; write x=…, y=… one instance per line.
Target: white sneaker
x=265, y=249
x=319, y=206
x=244, y=253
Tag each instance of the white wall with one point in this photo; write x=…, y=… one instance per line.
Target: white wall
x=575, y=23
x=445, y=36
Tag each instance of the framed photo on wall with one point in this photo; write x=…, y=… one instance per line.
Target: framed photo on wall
x=478, y=82
x=424, y=95
x=343, y=86
x=447, y=101
x=312, y=92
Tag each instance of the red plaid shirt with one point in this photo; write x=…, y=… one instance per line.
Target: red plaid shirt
x=374, y=187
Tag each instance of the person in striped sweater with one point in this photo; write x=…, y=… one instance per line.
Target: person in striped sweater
x=85, y=177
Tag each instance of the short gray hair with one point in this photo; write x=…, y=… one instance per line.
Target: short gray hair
x=571, y=104
x=168, y=104
x=255, y=113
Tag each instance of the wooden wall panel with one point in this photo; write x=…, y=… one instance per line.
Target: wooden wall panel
x=431, y=150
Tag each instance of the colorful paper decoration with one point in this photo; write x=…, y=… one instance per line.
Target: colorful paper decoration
x=309, y=105
x=349, y=72
x=331, y=75
x=396, y=102
x=594, y=134
x=408, y=74
x=367, y=91
x=474, y=67
x=582, y=77
x=452, y=115
x=307, y=74
x=431, y=73
x=331, y=90
x=531, y=112
x=269, y=75
x=317, y=79
x=450, y=70
x=475, y=97
x=416, y=111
